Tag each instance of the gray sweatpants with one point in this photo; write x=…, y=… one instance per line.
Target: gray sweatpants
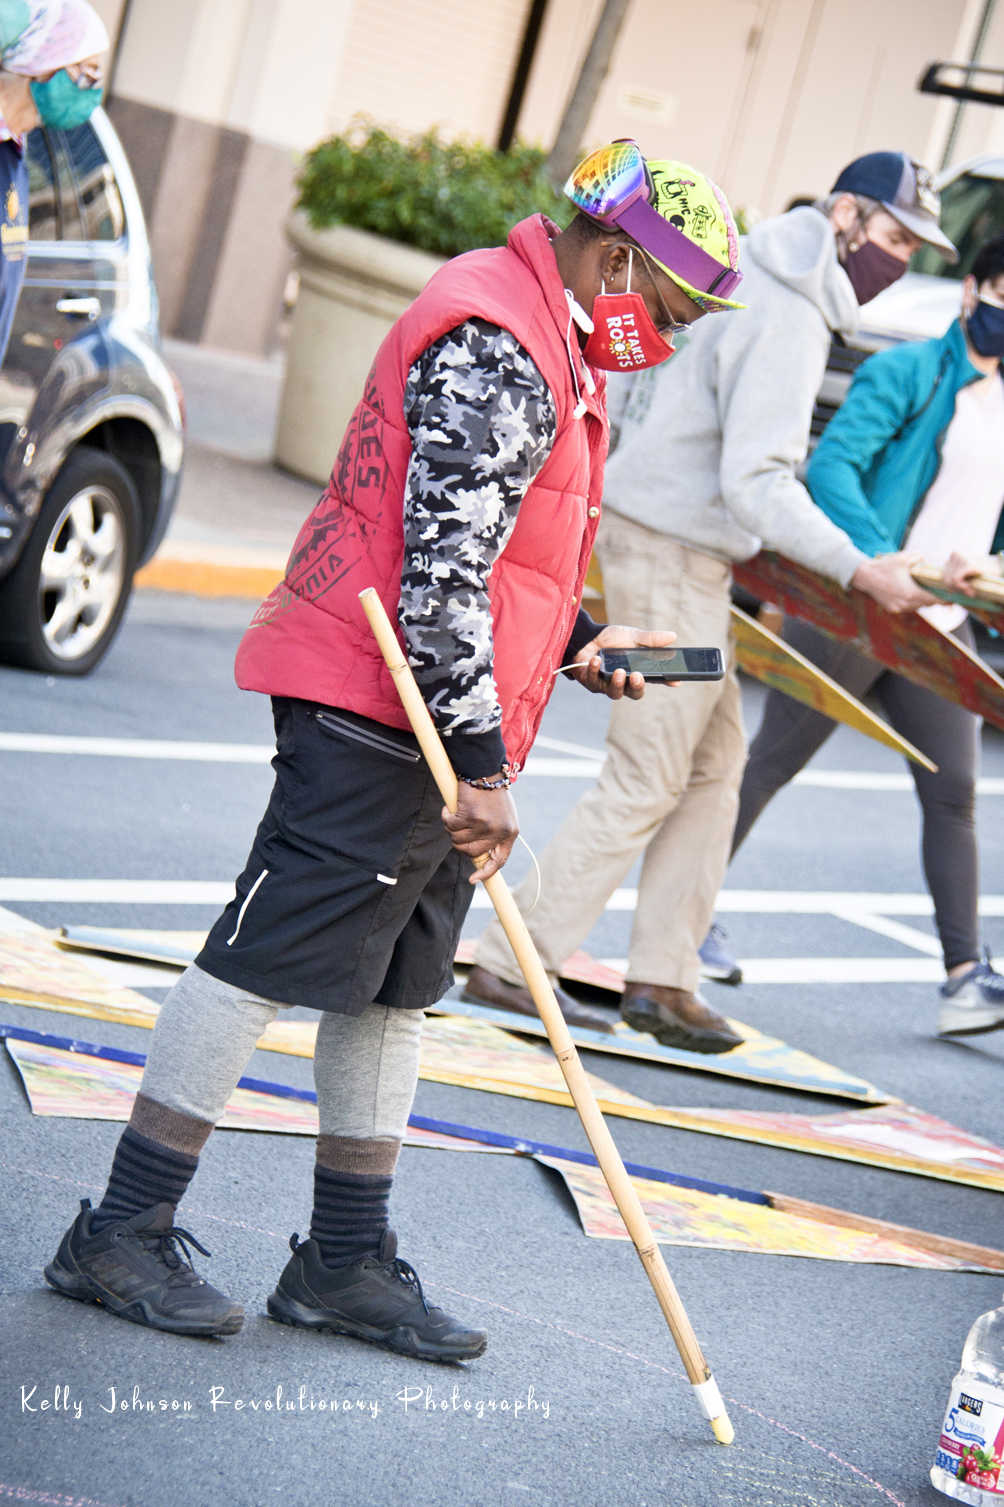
x=365, y=1072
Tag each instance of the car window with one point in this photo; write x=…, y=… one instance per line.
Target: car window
x=100, y=215
x=66, y=193
x=972, y=212
x=43, y=217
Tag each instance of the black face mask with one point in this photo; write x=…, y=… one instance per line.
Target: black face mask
x=985, y=328
x=871, y=269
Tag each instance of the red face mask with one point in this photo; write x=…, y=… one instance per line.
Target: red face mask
x=624, y=337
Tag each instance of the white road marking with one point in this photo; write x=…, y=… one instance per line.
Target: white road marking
x=921, y=941
x=857, y=907
x=833, y=902
x=563, y=769
x=867, y=909
x=138, y=748
x=585, y=763
x=851, y=779
x=831, y=970
x=118, y=891
x=843, y=971
x=557, y=745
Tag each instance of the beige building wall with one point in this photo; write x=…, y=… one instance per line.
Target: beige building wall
x=981, y=127
x=417, y=63
x=771, y=97
x=216, y=100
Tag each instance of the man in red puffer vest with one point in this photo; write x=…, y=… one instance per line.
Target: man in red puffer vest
x=467, y=491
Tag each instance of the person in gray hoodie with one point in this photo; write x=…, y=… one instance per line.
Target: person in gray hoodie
x=705, y=474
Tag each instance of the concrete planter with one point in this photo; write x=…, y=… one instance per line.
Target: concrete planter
x=353, y=285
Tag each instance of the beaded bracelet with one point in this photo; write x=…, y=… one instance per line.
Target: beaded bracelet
x=483, y=784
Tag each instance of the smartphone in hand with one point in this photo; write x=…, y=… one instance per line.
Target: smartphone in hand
x=663, y=666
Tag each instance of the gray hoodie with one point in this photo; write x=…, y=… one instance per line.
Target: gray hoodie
x=710, y=441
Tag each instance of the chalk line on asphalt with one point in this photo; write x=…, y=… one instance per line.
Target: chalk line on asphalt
x=515, y=1313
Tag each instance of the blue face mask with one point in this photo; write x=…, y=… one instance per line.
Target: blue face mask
x=62, y=103
x=985, y=328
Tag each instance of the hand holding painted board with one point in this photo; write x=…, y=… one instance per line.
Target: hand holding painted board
x=906, y=643
x=987, y=604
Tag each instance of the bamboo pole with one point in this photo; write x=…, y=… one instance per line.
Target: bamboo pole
x=705, y=1387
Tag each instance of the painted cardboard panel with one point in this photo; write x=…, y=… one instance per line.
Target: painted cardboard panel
x=476, y=1054
x=35, y=972
x=906, y=643
x=683, y=1216
x=769, y=659
x=72, y=1084
x=760, y=1058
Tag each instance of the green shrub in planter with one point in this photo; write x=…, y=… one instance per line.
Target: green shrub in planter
x=440, y=196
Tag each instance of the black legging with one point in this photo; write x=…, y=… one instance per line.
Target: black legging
x=791, y=733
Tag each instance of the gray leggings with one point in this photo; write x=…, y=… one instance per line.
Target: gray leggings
x=365, y=1066
x=791, y=733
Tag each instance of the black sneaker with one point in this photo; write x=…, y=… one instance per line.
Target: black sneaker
x=134, y=1269
x=378, y=1298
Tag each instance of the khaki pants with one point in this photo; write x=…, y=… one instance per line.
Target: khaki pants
x=669, y=785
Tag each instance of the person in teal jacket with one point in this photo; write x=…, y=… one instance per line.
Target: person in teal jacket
x=882, y=450
x=914, y=461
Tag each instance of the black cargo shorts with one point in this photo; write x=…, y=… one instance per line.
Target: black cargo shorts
x=352, y=893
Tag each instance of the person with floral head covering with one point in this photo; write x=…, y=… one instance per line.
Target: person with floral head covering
x=50, y=75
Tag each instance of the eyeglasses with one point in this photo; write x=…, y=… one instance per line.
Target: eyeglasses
x=88, y=77
x=671, y=326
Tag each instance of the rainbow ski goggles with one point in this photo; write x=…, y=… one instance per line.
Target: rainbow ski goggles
x=614, y=186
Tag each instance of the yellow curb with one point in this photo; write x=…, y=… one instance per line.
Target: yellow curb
x=205, y=578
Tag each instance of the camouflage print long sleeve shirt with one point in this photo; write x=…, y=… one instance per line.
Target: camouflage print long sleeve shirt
x=482, y=423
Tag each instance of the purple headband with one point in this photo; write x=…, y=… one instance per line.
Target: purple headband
x=670, y=246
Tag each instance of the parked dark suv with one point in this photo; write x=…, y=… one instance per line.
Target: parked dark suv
x=91, y=423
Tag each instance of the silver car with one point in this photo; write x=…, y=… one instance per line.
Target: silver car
x=91, y=419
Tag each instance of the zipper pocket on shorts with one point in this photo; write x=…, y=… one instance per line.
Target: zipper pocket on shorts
x=363, y=735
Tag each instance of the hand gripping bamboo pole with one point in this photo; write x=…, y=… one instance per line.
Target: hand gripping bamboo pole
x=705, y=1387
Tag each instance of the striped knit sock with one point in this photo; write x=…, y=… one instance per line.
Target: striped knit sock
x=144, y=1173
x=350, y=1214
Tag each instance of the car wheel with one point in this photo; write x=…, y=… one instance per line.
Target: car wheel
x=62, y=604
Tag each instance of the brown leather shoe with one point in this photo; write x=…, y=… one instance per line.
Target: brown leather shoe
x=677, y=1018
x=484, y=988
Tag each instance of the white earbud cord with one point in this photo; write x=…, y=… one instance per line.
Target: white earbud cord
x=580, y=406
x=536, y=866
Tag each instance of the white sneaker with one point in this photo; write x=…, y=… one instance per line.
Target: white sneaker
x=716, y=963
x=971, y=1003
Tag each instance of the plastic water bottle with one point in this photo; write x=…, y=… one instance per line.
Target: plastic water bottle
x=968, y=1463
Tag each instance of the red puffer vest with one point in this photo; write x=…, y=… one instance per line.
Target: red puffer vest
x=310, y=639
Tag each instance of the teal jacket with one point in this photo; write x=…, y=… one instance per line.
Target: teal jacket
x=881, y=451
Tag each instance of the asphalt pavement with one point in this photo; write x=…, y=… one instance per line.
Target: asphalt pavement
x=837, y=1374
